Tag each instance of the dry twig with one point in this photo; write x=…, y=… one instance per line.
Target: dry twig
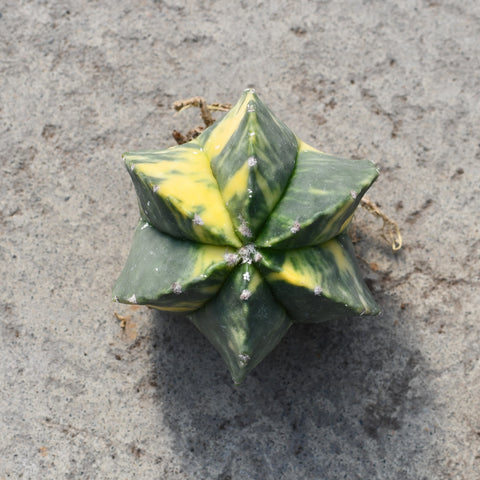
x=390, y=230
x=207, y=118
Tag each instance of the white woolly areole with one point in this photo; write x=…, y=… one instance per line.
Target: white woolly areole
x=252, y=161
x=176, y=288
x=317, y=290
x=197, y=220
x=231, y=258
x=245, y=295
x=353, y=194
x=132, y=299
x=295, y=227
x=244, y=358
x=246, y=276
x=247, y=252
x=244, y=230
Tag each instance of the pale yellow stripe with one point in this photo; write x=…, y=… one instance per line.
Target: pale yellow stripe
x=346, y=223
x=207, y=256
x=306, y=278
x=338, y=253
x=183, y=308
x=336, y=217
x=223, y=131
x=304, y=147
x=254, y=282
x=238, y=184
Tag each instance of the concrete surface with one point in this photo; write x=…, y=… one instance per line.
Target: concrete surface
x=392, y=397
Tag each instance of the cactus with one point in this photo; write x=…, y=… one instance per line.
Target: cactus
x=244, y=230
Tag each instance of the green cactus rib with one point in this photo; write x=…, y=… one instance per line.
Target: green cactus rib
x=170, y=274
x=178, y=194
x=318, y=283
x=253, y=164
x=243, y=322
x=322, y=195
x=244, y=229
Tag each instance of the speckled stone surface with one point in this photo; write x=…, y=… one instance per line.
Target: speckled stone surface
x=391, y=397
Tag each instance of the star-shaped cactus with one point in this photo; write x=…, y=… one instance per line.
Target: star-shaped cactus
x=244, y=229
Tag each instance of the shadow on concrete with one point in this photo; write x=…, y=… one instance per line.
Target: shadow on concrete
x=344, y=399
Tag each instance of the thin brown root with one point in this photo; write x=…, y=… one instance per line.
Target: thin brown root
x=220, y=107
x=207, y=118
x=181, y=105
x=390, y=230
x=199, y=102
x=191, y=134
x=179, y=137
x=123, y=319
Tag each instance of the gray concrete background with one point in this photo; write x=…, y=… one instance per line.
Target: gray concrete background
x=392, y=397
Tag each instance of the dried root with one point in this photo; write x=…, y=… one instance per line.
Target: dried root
x=390, y=230
x=123, y=319
x=191, y=134
x=207, y=118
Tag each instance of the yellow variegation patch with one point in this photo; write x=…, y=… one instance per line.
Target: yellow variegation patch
x=186, y=183
x=223, y=131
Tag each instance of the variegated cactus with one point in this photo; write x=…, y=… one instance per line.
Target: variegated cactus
x=244, y=229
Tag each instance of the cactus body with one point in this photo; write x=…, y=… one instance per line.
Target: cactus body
x=244, y=229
